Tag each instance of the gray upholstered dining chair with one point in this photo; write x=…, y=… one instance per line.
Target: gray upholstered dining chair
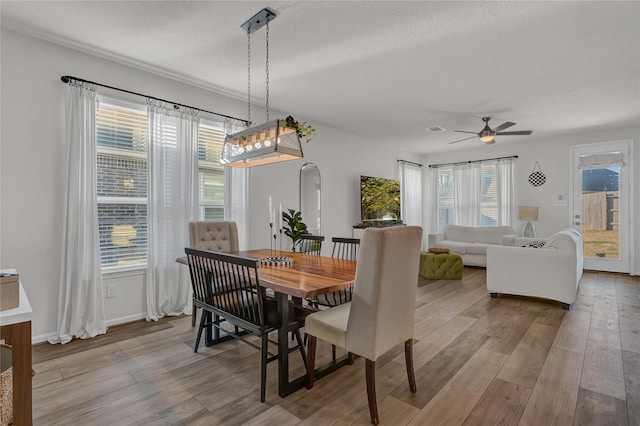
x=381, y=312
x=219, y=236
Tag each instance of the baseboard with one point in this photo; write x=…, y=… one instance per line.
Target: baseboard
x=115, y=321
x=128, y=318
x=41, y=338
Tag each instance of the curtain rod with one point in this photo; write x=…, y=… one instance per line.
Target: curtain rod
x=176, y=105
x=472, y=161
x=409, y=162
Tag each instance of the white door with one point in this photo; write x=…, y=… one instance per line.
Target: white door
x=601, y=203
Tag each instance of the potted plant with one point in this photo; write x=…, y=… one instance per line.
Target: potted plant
x=303, y=130
x=295, y=227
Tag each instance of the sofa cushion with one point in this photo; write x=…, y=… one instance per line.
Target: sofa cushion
x=457, y=233
x=491, y=234
x=484, y=234
x=459, y=247
x=477, y=248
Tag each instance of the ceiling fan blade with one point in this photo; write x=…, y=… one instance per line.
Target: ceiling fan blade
x=465, y=139
x=521, y=132
x=503, y=126
x=464, y=131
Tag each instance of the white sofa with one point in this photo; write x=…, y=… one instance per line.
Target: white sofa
x=551, y=272
x=471, y=242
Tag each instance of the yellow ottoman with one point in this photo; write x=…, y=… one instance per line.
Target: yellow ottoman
x=445, y=266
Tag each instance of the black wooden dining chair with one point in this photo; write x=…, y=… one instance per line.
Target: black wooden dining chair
x=228, y=287
x=311, y=244
x=343, y=248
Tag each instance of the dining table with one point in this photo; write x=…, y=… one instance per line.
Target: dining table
x=307, y=276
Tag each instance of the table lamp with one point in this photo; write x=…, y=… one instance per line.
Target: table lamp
x=528, y=214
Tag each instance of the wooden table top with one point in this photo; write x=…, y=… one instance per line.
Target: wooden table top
x=308, y=276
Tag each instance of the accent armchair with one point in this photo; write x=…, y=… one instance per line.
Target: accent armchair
x=552, y=271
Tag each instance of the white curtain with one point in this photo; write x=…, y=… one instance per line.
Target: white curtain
x=433, y=198
x=236, y=192
x=81, y=299
x=467, y=193
x=172, y=204
x=411, y=193
x=504, y=191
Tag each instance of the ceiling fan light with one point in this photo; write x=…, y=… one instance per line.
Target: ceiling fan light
x=488, y=139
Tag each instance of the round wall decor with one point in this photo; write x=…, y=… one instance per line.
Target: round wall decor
x=537, y=178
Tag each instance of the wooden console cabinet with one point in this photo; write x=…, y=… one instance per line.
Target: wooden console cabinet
x=15, y=329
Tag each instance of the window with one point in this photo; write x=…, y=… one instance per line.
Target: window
x=488, y=196
x=478, y=194
x=122, y=137
x=210, y=172
x=446, y=213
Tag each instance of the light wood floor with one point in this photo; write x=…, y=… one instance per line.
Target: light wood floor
x=479, y=361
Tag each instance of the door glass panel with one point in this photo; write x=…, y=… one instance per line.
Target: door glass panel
x=600, y=212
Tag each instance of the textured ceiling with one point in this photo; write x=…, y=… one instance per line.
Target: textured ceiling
x=382, y=70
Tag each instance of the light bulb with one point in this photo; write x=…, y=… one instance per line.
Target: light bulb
x=257, y=145
x=267, y=143
x=249, y=148
x=241, y=149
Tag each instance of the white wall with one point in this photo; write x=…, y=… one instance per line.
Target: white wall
x=31, y=159
x=553, y=157
x=341, y=159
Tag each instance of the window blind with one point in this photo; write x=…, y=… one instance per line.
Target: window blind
x=122, y=184
x=210, y=172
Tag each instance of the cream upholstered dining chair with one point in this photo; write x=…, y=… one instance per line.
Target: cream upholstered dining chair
x=381, y=312
x=212, y=235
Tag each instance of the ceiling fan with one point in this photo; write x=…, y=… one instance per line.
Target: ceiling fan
x=487, y=135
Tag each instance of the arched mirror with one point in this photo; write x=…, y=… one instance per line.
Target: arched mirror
x=310, y=197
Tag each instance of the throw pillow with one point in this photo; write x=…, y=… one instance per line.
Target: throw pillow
x=534, y=244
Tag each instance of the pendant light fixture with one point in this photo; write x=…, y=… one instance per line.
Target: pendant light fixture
x=271, y=142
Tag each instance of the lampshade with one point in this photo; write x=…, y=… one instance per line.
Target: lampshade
x=488, y=139
x=528, y=213
x=264, y=144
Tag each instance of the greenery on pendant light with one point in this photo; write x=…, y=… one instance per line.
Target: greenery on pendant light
x=304, y=129
x=295, y=226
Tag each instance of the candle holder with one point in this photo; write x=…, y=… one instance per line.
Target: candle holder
x=270, y=242
x=274, y=259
